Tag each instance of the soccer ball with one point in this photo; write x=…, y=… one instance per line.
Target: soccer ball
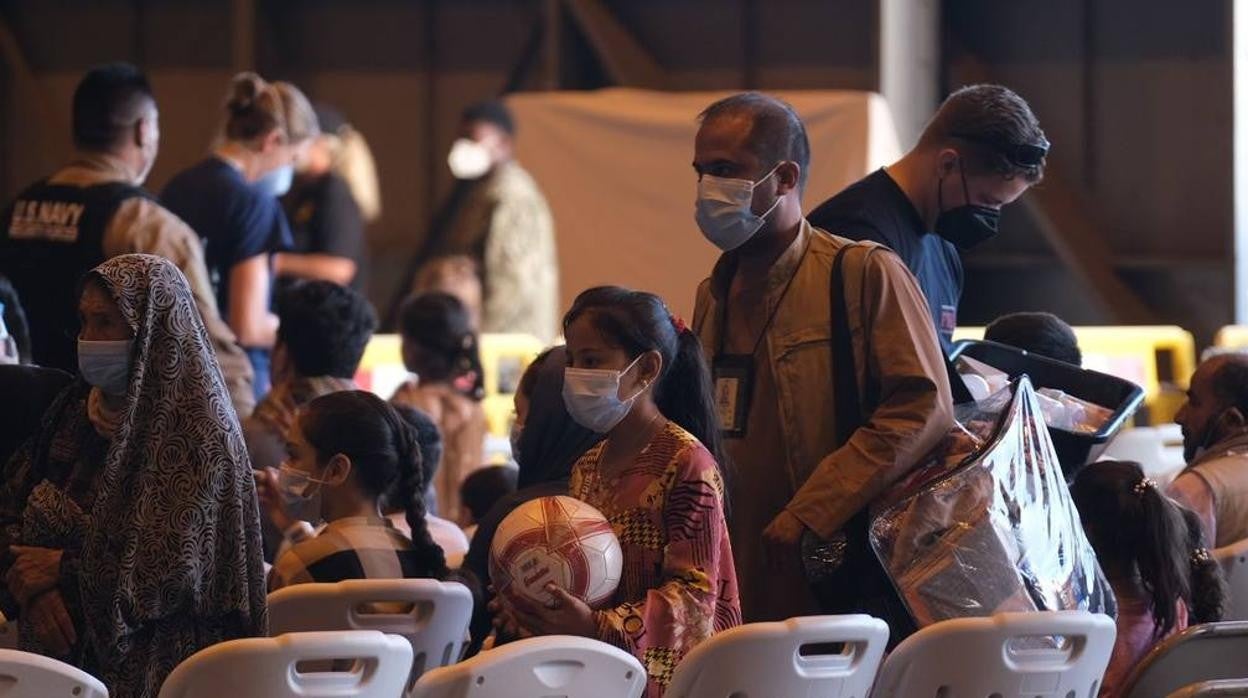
x=555, y=539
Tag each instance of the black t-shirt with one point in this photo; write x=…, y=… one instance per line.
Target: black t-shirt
x=874, y=208
x=324, y=219
x=235, y=220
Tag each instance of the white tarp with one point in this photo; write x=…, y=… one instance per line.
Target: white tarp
x=615, y=167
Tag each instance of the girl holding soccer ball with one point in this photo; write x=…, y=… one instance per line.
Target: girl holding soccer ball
x=636, y=374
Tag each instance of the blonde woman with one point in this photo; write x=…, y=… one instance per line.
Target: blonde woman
x=333, y=196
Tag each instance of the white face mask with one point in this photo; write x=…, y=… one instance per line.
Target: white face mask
x=724, y=210
x=105, y=364
x=276, y=182
x=296, y=485
x=469, y=159
x=592, y=397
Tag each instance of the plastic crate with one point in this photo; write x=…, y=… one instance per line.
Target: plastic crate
x=1074, y=450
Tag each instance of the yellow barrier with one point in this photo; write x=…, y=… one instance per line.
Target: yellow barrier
x=1232, y=337
x=504, y=358
x=1161, y=359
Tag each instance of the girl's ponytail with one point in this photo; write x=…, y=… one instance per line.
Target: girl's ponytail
x=1139, y=535
x=1209, y=591
x=686, y=394
x=1162, y=554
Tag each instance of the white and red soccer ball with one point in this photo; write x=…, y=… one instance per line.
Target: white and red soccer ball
x=560, y=540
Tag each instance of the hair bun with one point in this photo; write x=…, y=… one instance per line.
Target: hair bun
x=245, y=89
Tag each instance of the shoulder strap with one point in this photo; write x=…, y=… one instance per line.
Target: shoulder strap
x=110, y=195
x=847, y=402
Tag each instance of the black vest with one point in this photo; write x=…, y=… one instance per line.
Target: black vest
x=53, y=235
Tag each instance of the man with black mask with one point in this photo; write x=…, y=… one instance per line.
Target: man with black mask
x=981, y=151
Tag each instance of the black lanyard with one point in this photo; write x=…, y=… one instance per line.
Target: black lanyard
x=771, y=316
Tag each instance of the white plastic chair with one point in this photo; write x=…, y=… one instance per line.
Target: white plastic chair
x=1234, y=561
x=1209, y=652
x=1213, y=689
x=25, y=675
x=791, y=658
x=558, y=665
x=1008, y=655
x=1158, y=450
x=378, y=666
x=436, y=626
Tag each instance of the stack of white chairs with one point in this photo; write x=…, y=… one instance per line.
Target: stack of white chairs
x=1008, y=655
x=558, y=665
x=435, y=621
x=25, y=675
x=343, y=664
x=1209, y=652
x=825, y=656
x=1158, y=450
x=1234, y=561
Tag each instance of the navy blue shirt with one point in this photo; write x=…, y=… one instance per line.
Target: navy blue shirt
x=235, y=221
x=875, y=208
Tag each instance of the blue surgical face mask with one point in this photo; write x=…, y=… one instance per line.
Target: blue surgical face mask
x=724, y=210
x=105, y=364
x=592, y=397
x=276, y=182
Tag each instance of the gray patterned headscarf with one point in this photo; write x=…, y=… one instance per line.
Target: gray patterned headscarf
x=175, y=527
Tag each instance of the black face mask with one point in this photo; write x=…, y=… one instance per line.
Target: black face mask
x=969, y=225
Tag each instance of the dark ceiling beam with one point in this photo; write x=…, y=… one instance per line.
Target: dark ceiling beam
x=626, y=61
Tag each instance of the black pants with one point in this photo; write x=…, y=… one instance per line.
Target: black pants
x=860, y=585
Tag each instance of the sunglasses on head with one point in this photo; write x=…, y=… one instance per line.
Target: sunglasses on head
x=1018, y=154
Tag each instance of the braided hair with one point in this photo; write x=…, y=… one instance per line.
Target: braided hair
x=384, y=456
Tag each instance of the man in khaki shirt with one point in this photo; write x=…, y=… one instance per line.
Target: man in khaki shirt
x=1215, y=445
x=117, y=135
x=764, y=317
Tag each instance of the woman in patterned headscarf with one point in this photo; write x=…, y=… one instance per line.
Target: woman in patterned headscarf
x=132, y=515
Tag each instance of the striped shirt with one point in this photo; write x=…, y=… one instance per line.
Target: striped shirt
x=350, y=548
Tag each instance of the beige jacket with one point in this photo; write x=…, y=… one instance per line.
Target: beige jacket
x=505, y=224
x=897, y=356
x=143, y=226
x=1215, y=486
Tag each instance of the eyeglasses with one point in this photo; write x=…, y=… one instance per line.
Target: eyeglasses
x=1018, y=154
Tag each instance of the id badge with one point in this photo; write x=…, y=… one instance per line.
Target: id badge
x=734, y=385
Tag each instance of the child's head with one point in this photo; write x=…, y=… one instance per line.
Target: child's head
x=354, y=445
x=1044, y=334
x=482, y=489
x=440, y=344
x=1138, y=533
x=324, y=330
x=615, y=329
x=524, y=389
x=1209, y=590
x=429, y=443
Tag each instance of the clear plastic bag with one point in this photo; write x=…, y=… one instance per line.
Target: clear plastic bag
x=988, y=525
